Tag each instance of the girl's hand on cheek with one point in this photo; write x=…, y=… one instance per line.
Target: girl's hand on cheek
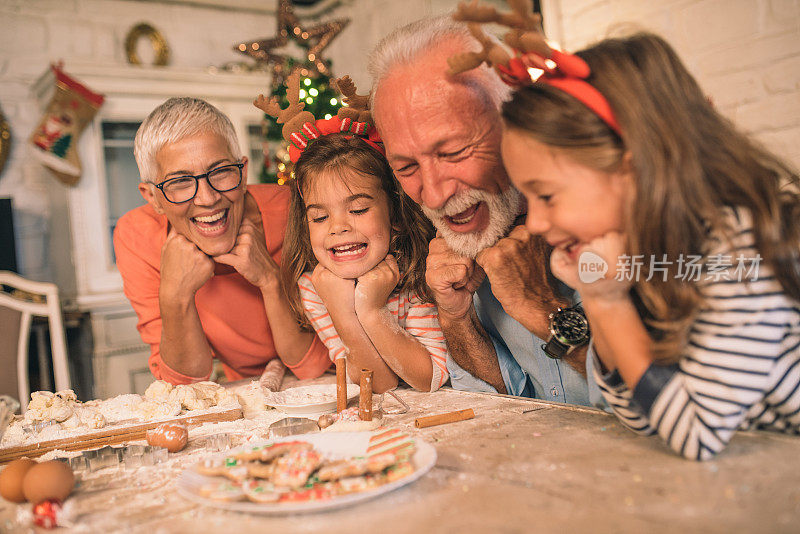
x=337, y=293
x=563, y=268
x=597, y=269
x=375, y=286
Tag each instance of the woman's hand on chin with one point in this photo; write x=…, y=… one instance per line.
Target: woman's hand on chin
x=594, y=274
x=184, y=268
x=249, y=256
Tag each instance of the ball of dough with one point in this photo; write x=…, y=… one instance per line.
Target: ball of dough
x=72, y=422
x=67, y=395
x=120, y=407
x=39, y=404
x=187, y=396
x=206, y=390
x=227, y=399
x=252, y=400
x=150, y=410
x=46, y=406
x=158, y=391
x=91, y=417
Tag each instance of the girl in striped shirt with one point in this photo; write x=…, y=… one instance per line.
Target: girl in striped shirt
x=681, y=235
x=354, y=265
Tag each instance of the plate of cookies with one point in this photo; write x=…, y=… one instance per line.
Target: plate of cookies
x=309, y=472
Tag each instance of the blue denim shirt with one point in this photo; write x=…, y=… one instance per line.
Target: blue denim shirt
x=527, y=371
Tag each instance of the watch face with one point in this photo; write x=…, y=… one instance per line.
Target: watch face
x=571, y=327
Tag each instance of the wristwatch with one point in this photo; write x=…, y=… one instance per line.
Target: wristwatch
x=569, y=329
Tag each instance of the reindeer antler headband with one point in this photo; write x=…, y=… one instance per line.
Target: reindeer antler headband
x=559, y=69
x=300, y=127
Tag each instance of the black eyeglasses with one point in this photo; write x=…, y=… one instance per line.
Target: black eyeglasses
x=184, y=188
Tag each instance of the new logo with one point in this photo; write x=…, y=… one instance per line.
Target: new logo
x=591, y=267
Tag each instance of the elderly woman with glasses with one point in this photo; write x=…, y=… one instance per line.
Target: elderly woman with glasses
x=199, y=261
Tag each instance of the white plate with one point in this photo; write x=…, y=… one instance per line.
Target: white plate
x=308, y=400
x=334, y=443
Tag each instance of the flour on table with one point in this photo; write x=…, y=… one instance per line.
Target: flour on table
x=251, y=397
x=120, y=408
x=307, y=395
x=72, y=418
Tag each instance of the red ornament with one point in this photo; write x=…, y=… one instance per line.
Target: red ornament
x=45, y=514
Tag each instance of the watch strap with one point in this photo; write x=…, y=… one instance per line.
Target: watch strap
x=555, y=349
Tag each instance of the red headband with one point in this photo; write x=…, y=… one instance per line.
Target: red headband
x=314, y=130
x=567, y=72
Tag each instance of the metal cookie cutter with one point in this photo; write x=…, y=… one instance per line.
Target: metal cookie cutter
x=290, y=426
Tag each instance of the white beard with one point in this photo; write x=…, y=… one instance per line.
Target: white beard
x=503, y=208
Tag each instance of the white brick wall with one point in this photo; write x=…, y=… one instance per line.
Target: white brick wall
x=744, y=53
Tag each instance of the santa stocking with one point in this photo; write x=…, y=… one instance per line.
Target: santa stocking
x=55, y=139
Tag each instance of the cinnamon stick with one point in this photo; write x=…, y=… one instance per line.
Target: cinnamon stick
x=341, y=384
x=365, y=398
x=450, y=417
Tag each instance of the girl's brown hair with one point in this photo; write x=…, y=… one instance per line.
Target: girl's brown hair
x=411, y=230
x=689, y=163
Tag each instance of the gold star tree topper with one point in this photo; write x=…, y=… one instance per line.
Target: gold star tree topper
x=314, y=40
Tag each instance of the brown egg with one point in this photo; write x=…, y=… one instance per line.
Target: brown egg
x=171, y=436
x=11, y=478
x=48, y=480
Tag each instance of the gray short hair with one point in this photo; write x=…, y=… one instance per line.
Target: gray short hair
x=174, y=120
x=409, y=42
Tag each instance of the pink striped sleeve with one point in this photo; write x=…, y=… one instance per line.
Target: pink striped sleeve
x=319, y=317
x=422, y=322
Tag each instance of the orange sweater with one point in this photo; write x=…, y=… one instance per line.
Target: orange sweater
x=231, y=309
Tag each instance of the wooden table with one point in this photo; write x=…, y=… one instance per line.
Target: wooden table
x=519, y=466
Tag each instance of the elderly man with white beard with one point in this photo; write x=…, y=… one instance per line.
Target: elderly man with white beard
x=489, y=277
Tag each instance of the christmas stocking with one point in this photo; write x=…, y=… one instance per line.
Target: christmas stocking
x=55, y=140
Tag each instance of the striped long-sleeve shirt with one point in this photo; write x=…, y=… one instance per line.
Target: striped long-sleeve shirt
x=740, y=368
x=418, y=318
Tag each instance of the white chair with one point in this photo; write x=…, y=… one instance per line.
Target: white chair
x=41, y=300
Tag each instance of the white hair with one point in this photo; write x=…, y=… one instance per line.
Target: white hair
x=410, y=42
x=174, y=120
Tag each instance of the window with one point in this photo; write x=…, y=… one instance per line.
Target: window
x=122, y=174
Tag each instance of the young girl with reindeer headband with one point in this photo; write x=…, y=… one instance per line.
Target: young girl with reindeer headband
x=680, y=234
x=355, y=247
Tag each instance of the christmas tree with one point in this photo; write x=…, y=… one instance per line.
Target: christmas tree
x=321, y=100
x=61, y=146
x=315, y=88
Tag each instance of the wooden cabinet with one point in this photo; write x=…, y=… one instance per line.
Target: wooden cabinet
x=108, y=189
